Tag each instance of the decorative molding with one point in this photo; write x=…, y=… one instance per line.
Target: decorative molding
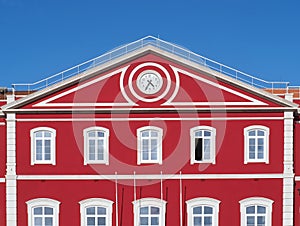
x=43, y=202
x=151, y=176
x=11, y=182
x=105, y=140
x=203, y=201
x=153, y=110
x=33, y=147
x=163, y=69
x=211, y=138
x=266, y=131
x=96, y=202
x=46, y=103
x=288, y=173
x=159, y=140
x=252, y=201
x=144, y=202
x=146, y=119
x=251, y=101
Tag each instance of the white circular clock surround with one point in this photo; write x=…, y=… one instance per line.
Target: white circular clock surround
x=160, y=92
x=149, y=82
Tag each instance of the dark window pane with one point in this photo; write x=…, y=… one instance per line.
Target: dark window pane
x=91, y=221
x=101, y=221
x=154, y=210
x=208, y=210
x=207, y=133
x=48, y=211
x=252, y=133
x=48, y=221
x=144, y=210
x=198, y=149
x=250, y=209
x=101, y=210
x=38, y=211
x=154, y=134
x=100, y=134
x=261, y=209
x=38, y=134
x=154, y=221
x=260, y=133
x=207, y=221
x=38, y=221
x=90, y=210
x=197, y=210
x=261, y=220
x=198, y=133
x=250, y=221
x=144, y=220
x=145, y=133
x=197, y=221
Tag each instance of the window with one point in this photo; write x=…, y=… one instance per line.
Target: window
x=149, y=145
x=96, y=212
x=42, y=145
x=256, y=144
x=203, y=144
x=203, y=212
x=96, y=145
x=149, y=212
x=43, y=212
x=256, y=211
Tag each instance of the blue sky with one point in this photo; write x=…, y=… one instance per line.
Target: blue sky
x=39, y=38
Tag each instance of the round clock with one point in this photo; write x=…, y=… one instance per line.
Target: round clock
x=149, y=82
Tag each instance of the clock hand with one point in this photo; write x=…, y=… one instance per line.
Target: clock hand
x=149, y=83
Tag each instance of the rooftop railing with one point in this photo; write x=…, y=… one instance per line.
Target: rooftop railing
x=158, y=43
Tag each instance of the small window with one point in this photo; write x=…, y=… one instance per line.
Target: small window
x=96, y=212
x=43, y=212
x=203, y=212
x=96, y=145
x=256, y=144
x=203, y=141
x=149, y=145
x=256, y=211
x=149, y=212
x=43, y=145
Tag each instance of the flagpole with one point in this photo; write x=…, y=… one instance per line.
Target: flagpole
x=117, y=203
x=161, y=187
x=180, y=197
x=134, y=187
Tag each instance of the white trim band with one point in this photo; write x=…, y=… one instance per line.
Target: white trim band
x=144, y=119
x=151, y=176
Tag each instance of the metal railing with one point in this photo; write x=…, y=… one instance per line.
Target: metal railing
x=158, y=43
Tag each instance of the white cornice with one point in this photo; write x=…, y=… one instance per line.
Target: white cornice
x=134, y=55
x=152, y=110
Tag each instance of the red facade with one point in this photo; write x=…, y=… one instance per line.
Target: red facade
x=172, y=135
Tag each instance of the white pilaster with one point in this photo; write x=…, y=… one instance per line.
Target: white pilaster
x=288, y=172
x=11, y=178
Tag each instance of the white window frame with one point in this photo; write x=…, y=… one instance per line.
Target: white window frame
x=96, y=202
x=106, y=145
x=144, y=202
x=52, y=146
x=266, y=144
x=212, y=144
x=139, y=145
x=203, y=201
x=43, y=202
x=256, y=201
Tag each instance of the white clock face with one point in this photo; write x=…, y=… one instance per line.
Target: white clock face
x=149, y=82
